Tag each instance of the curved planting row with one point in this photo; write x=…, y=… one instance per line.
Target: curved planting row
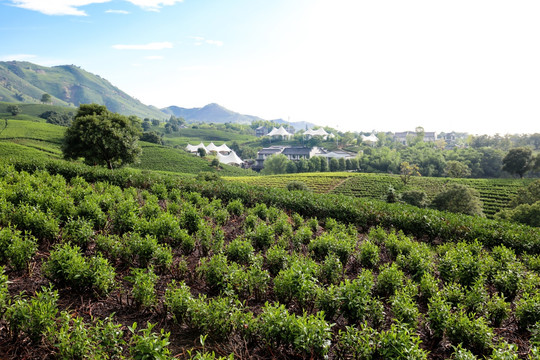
x=184, y=268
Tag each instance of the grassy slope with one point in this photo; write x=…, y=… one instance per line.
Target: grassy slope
x=67, y=85
x=195, y=136
x=495, y=193
x=33, y=139
x=162, y=158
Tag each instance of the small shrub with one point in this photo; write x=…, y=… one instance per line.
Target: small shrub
x=20, y=251
x=528, y=309
x=239, y=251
x=368, y=254
x=78, y=232
x=145, y=344
x=472, y=333
x=214, y=270
x=33, y=316
x=297, y=185
x=429, y=286
x=357, y=343
x=330, y=270
x=178, y=300
x=339, y=244
x=262, y=236
x=309, y=334
x=438, y=314
x=277, y=259
x=497, y=310
x=405, y=309
x=415, y=197
x=389, y=280
x=459, y=198
x=298, y=281
x=400, y=343
x=144, y=284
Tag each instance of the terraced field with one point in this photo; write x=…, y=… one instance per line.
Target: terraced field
x=494, y=193
x=318, y=182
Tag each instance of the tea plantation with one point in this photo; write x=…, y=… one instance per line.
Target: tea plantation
x=123, y=264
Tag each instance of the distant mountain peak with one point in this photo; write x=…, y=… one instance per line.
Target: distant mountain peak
x=69, y=85
x=215, y=113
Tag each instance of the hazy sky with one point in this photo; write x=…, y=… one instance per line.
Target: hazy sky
x=385, y=65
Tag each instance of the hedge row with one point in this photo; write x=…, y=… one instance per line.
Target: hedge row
x=423, y=223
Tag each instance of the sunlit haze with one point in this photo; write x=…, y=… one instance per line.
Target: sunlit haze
x=386, y=65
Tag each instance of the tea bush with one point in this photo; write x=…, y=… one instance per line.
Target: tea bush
x=32, y=316
x=143, y=290
x=145, y=344
x=299, y=281
x=368, y=254
x=309, y=334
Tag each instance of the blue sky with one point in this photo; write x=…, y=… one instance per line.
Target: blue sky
x=385, y=65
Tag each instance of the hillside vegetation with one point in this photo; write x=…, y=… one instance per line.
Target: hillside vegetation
x=37, y=140
x=251, y=272
x=68, y=85
x=494, y=193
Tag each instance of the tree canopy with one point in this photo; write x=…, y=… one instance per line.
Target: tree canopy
x=518, y=161
x=102, y=137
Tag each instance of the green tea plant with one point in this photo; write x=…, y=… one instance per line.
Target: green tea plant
x=357, y=343
x=389, y=280
x=78, y=231
x=330, y=270
x=262, y=236
x=469, y=331
x=400, y=343
x=368, y=254
x=309, y=334
x=497, y=310
x=32, y=316
x=16, y=249
x=146, y=344
x=277, y=259
x=235, y=207
x=178, y=300
x=299, y=281
x=528, y=309
x=143, y=290
x=438, y=314
x=339, y=244
x=240, y=251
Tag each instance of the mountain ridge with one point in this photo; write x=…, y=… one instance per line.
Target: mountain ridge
x=218, y=114
x=68, y=85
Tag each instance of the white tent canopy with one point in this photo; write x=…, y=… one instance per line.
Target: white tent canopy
x=279, y=132
x=318, y=132
x=191, y=148
x=371, y=138
x=223, y=148
x=232, y=158
x=212, y=147
x=201, y=145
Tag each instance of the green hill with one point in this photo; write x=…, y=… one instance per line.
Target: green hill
x=68, y=85
x=23, y=139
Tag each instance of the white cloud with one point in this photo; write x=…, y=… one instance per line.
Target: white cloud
x=153, y=5
x=215, y=42
x=154, y=57
x=57, y=7
x=71, y=7
x=111, y=11
x=149, y=46
x=199, y=40
x=17, y=57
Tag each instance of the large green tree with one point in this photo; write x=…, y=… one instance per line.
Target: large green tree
x=275, y=164
x=102, y=137
x=518, y=161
